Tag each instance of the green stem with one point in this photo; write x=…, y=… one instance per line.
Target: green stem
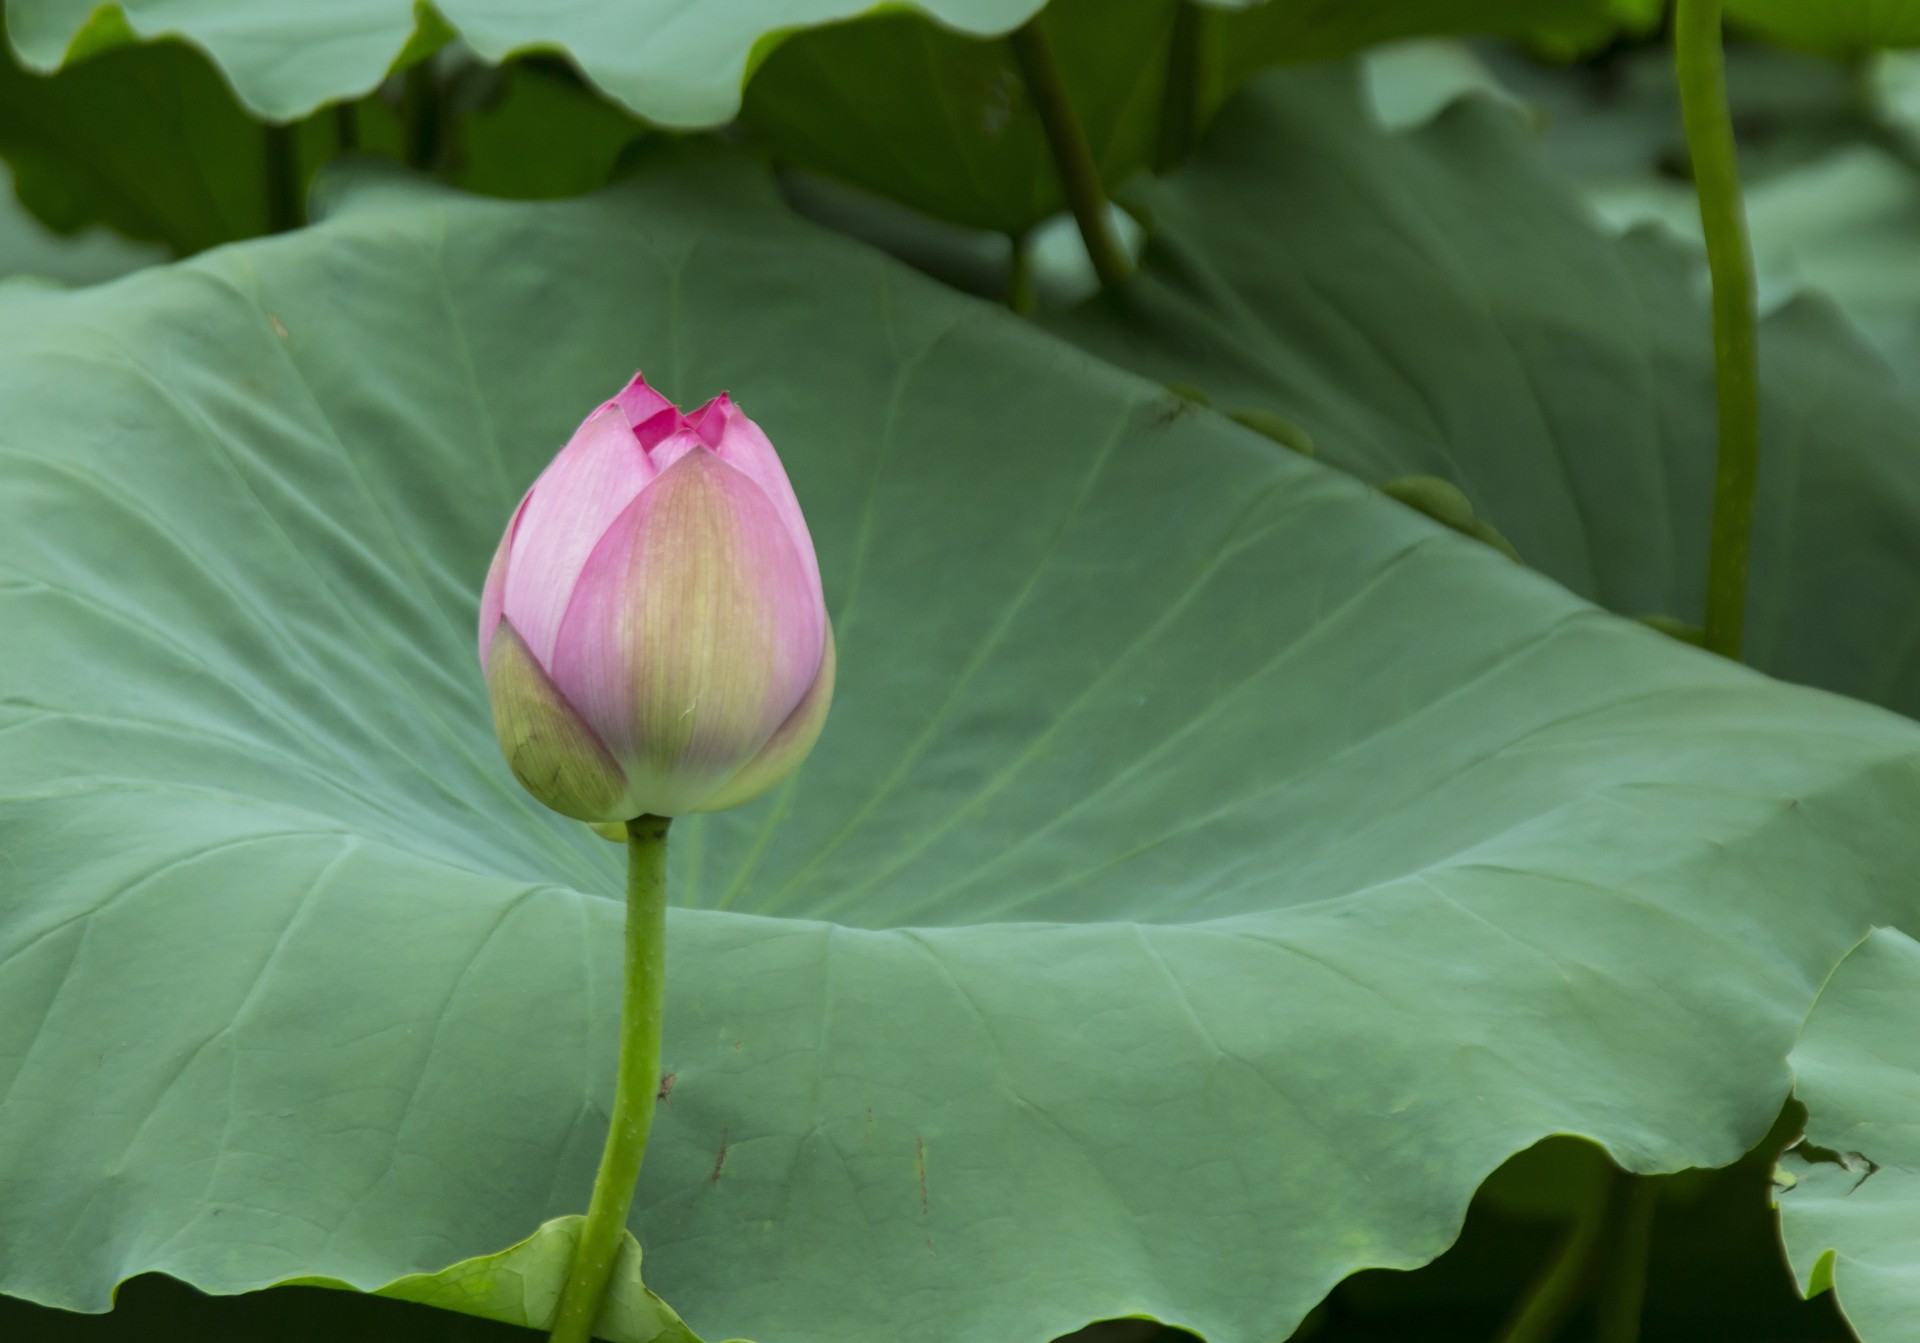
x=1716, y=175
x=1072, y=157
x=635, y=1088
x=1189, y=62
x=1623, y=1288
x=1556, y=1292
x=420, y=116
x=1021, y=296
x=281, y=170
x=346, y=127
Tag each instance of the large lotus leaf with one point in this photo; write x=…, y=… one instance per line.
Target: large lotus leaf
x=942, y=121
x=674, y=64
x=1849, y=1196
x=1847, y=27
x=1438, y=303
x=1211, y=871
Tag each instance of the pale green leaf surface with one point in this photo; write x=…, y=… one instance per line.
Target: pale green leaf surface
x=1850, y=1215
x=1438, y=303
x=1211, y=871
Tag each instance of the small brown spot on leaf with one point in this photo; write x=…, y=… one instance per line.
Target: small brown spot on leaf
x=666, y=1085
x=720, y=1161
x=279, y=327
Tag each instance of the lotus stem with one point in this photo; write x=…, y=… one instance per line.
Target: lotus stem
x=281, y=177
x=1021, y=295
x=1557, y=1291
x=346, y=127
x=1623, y=1287
x=1716, y=173
x=1072, y=157
x=420, y=115
x=1189, y=76
x=638, y=1082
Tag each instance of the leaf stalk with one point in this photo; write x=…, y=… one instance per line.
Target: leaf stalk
x=636, y=1084
x=280, y=163
x=1072, y=156
x=1700, y=67
x=1189, y=78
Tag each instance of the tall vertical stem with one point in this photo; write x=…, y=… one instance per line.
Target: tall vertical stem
x=1716, y=175
x=280, y=177
x=420, y=115
x=346, y=127
x=1188, y=80
x=1021, y=294
x=1623, y=1285
x=635, y=1088
x=1072, y=157
x=1555, y=1294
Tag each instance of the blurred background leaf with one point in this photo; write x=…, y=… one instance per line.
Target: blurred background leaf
x=1841, y=27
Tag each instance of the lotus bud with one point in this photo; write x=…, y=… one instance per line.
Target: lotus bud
x=652, y=629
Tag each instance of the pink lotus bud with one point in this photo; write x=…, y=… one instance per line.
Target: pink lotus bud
x=652, y=629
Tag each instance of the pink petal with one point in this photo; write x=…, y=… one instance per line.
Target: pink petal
x=494, y=593
x=693, y=633
x=640, y=404
x=741, y=444
x=657, y=427
x=582, y=490
x=672, y=448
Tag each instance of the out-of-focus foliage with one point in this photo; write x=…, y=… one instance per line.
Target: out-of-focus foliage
x=926, y=106
x=941, y=120
x=145, y=140
x=30, y=250
x=1844, y=27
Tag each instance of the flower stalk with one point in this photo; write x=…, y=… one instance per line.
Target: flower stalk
x=1699, y=64
x=636, y=1087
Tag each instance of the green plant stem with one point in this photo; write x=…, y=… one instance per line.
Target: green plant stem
x=420, y=116
x=346, y=127
x=1021, y=296
x=635, y=1088
x=281, y=173
x=1072, y=158
x=1716, y=175
x=1189, y=74
x=1623, y=1286
x=1557, y=1291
